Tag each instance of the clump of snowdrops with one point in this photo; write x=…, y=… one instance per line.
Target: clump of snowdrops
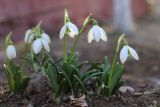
x=66, y=73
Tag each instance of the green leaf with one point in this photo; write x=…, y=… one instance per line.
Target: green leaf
x=118, y=85
x=61, y=59
x=52, y=74
x=86, y=74
x=76, y=71
x=68, y=69
x=106, y=91
x=81, y=84
x=9, y=79
x=79, y=66
x=89, y=77
x=117, y=75
x=106, y=69
x=61, y=87
x=94, y=66
x=67, y=78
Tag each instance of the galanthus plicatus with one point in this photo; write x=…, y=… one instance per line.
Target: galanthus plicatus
x=126, y=51
x=10, y=52
x=10, y=49
x=69, y=28
x=96, y=33
x=40, y=43
x=13, y=71
x=65, y=72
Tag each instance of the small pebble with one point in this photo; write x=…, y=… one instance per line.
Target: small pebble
x=124, y=89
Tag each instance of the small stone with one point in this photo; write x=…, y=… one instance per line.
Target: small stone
x=30, y=105
x=124, y=89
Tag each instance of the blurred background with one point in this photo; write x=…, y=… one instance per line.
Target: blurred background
x=139, y=19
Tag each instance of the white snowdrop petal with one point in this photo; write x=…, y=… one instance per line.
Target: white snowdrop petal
x=28, y=36
x=62, y=31
x=103, y=34
x=46, y=37
x=73, y=28
x=37, y=46
x=123, y=54
x=90, y=36
x=96, y=33
x=45, y=45
x=11, y=52
x=133, y=53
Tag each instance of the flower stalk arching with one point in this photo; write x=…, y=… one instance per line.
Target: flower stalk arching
x=86, y=22
x=116, y=55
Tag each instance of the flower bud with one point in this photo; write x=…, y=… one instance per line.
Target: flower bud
x=10, y=52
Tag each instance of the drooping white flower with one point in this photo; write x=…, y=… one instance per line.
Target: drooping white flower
x=40, y=43
x=45, y=45
x=37, y=46
x=73, y=30
x=28, y=36
x=10, y=52
x=125, y=52
x=46, y=37
x=96, y=33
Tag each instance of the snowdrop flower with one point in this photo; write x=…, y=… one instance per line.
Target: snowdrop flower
x=28, y=36
x=46, y=37
x=40, y=43
x=125, y=52
x=96, y=33
x=73, y=30
x=11, y=52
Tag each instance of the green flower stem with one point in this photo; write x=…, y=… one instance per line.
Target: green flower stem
x=23, y=60
x=75, y=43
x=79, y=34
x=65, y=48
x=115, y=57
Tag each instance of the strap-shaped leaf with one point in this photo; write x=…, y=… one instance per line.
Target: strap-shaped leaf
x=61, y=87
x=82, y=64
x=94, y=66
x=68, y=79
x=116, y=77
x=77, y=72
x=89, y=77
x=106, y=69
x=8, y=75
x=80, y=83
x=86, y=74
x=118, y=85
x=52, y=74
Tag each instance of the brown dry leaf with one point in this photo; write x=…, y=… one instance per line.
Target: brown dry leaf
x=78, y=102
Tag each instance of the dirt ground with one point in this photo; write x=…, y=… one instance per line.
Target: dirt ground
x=142, y=75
